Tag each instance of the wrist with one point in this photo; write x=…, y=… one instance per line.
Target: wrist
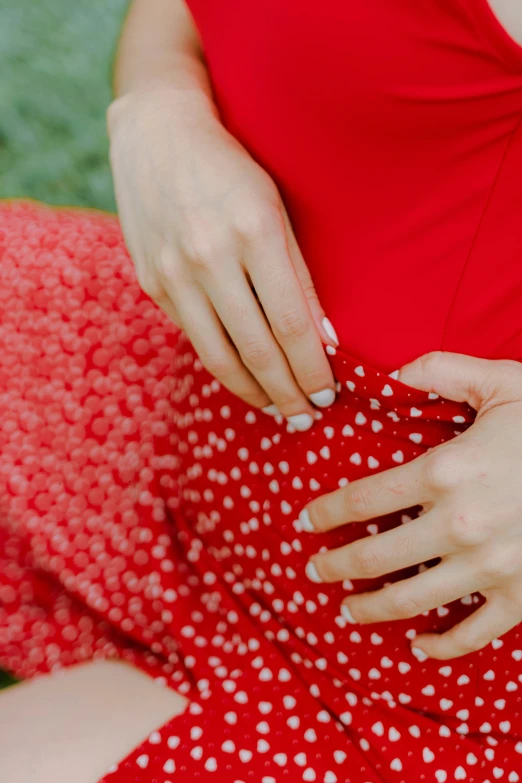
x=160, y=91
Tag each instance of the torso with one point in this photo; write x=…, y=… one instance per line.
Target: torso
x=393, y=132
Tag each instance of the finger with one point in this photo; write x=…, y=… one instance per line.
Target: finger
x=151, y=284
x=147, y=277
x=373, y=496
x=430, y=589
x=152, y=287
x=164, y=303
x=285, y=306
x=404, y=546
x=248, y=329
x=463, y=378
x=211, y=343
x=491, y=620
x=323, y=324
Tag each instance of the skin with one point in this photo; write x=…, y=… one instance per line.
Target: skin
x=206, y=227
x=59, y=729
x=509, y=14
x=160, y=71
x=471, y=494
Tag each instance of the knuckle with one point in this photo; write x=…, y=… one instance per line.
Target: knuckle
x=254, y=221
x=442, y=469
x=404, y=605
x=217, y=365
x=198, y=247
x=367, y=561
x=165, y=265
x=309, y=288
x=431, y=362
x=292, y=325
x=256, y=354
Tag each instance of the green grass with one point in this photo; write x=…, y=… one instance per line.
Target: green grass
x=55, y=62
x=5, y=680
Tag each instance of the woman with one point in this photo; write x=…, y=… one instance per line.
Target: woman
x=191, y=515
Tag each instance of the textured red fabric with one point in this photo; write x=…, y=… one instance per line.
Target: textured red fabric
x=148, y=514
x=392, y=129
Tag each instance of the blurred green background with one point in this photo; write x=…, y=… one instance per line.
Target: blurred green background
x=55, y=65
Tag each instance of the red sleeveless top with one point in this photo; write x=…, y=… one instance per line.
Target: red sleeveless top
x=393, y=131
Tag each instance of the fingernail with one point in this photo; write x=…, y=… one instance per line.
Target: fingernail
x=419, y=654
x=395, y=375
x=312, y=573
x=348, y=616
x=323, y=398
x=305, y=521
x=271, y=410
x=330, y=331
x=301, y=421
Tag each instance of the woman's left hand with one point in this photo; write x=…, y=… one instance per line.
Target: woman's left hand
x=471, y=491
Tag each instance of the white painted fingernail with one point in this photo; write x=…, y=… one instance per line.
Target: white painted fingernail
x=348, y=616
x=323, y=398
x=330, y=331
x=271, y=410
x=419, y=654
x=312, y=573
x=394, y=375
x=305, y=521
x=301, y=421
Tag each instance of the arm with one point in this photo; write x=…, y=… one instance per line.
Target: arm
x=205, y=224
x=160, y=46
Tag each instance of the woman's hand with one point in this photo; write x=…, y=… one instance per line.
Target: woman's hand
x=213, y=247
x=471, y=492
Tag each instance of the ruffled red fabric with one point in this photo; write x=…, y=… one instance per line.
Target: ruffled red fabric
x=148, y=514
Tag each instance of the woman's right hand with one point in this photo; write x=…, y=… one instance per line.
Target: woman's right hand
x=213, y=247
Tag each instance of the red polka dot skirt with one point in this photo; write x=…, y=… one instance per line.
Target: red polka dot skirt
x=147, y=514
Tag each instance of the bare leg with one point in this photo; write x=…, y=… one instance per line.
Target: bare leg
x=73, y=725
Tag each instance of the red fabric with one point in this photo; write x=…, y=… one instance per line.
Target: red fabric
x=148, y=514
x=393, y=132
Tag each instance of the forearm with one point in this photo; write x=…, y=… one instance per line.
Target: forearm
x=160, y=47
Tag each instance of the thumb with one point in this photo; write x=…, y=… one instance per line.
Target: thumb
x=323, y=324
x=462, y=378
